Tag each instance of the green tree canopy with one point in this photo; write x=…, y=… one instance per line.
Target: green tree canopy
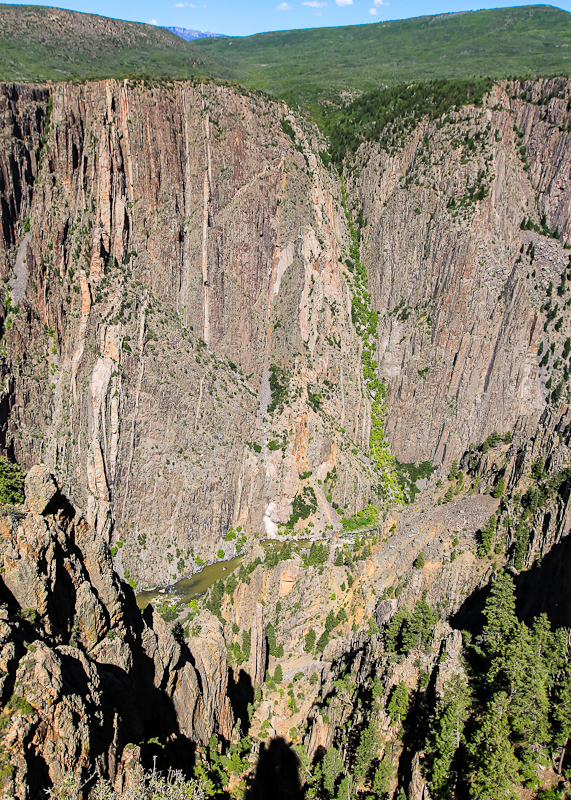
x=11, y=482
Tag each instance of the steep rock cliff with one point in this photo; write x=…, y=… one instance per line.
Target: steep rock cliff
x=77, y=657
x=184, y=350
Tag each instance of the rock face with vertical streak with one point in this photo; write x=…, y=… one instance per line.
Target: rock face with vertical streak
x=188, y=358
x=96, y=674
x=182, y=249
x=258, y=651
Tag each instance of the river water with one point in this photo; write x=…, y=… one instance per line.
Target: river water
x=187, y=589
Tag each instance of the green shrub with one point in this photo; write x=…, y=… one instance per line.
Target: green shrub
x=11, y=482
x=142, y=786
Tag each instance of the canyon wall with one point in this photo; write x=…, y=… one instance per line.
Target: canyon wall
x=182, y=344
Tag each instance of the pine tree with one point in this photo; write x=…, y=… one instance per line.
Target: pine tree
x=345, y=791
x=383, y=777
x=499, y=612
x=496, y=773
x=453, y=470
x=500, y=487
x=339, y=559
x=562, y=715
x=487, y=536
x=394, y=629
x=366, y=750
x=331, y=768
x=521, y=543
x=447, y=728
x=322, y=642
x=398, y=704
x=310, y=638
x=278, y=674
x=417, y=628
x=11, y=482
x=331, y=621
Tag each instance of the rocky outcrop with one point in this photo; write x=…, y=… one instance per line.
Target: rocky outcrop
x=89, y=676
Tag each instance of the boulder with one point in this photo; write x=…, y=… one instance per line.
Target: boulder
x=40, y=488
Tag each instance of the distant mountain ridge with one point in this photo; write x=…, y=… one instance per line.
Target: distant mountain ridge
x=189, y=35
x=303, y=67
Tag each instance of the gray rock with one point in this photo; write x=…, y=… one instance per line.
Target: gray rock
x=40, y=488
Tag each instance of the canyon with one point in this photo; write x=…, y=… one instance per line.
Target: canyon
x=212, y=339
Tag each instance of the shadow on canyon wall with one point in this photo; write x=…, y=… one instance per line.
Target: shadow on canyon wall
x=542, y=589
x=277, y=773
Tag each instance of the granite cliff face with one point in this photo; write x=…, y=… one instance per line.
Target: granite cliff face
x=185, y=353
x=182, y=259
x=77, y=658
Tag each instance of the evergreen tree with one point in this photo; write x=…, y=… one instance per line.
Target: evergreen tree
x=273, y=647
x=496, y=772
x=383, y=777
x=529, y=713
x=331, y=768
x=420, y=560
x=310, y=638
x=453, y=470
x=278, y=674
x=322, y=642
x=521, y=543
x=500, y=487
x=417, y=628
x=447, y=728
x=341, y=616
x=394, y=629
x=499, y=612
x=487, y=536
x=345, y=791
x=398, y=704
x=331, y=621
x=246, y=643
x=178, y=633
x=11, y=482
x=339, y=559
x=366, y=750
x=562, y=717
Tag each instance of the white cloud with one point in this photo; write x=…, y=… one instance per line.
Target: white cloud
x=285, y=7
x=152, y=22
x=313, y=4
x=182, y=5
x=379, y=3
x=373, y=12
x=343, y=3
x=317, y=13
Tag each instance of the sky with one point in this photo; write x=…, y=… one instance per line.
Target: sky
x=245, y=17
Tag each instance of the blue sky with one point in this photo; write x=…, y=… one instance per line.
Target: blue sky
x=244, y=17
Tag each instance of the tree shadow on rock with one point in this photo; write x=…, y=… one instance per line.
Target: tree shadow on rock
x=241, y=694
x=277, y=773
